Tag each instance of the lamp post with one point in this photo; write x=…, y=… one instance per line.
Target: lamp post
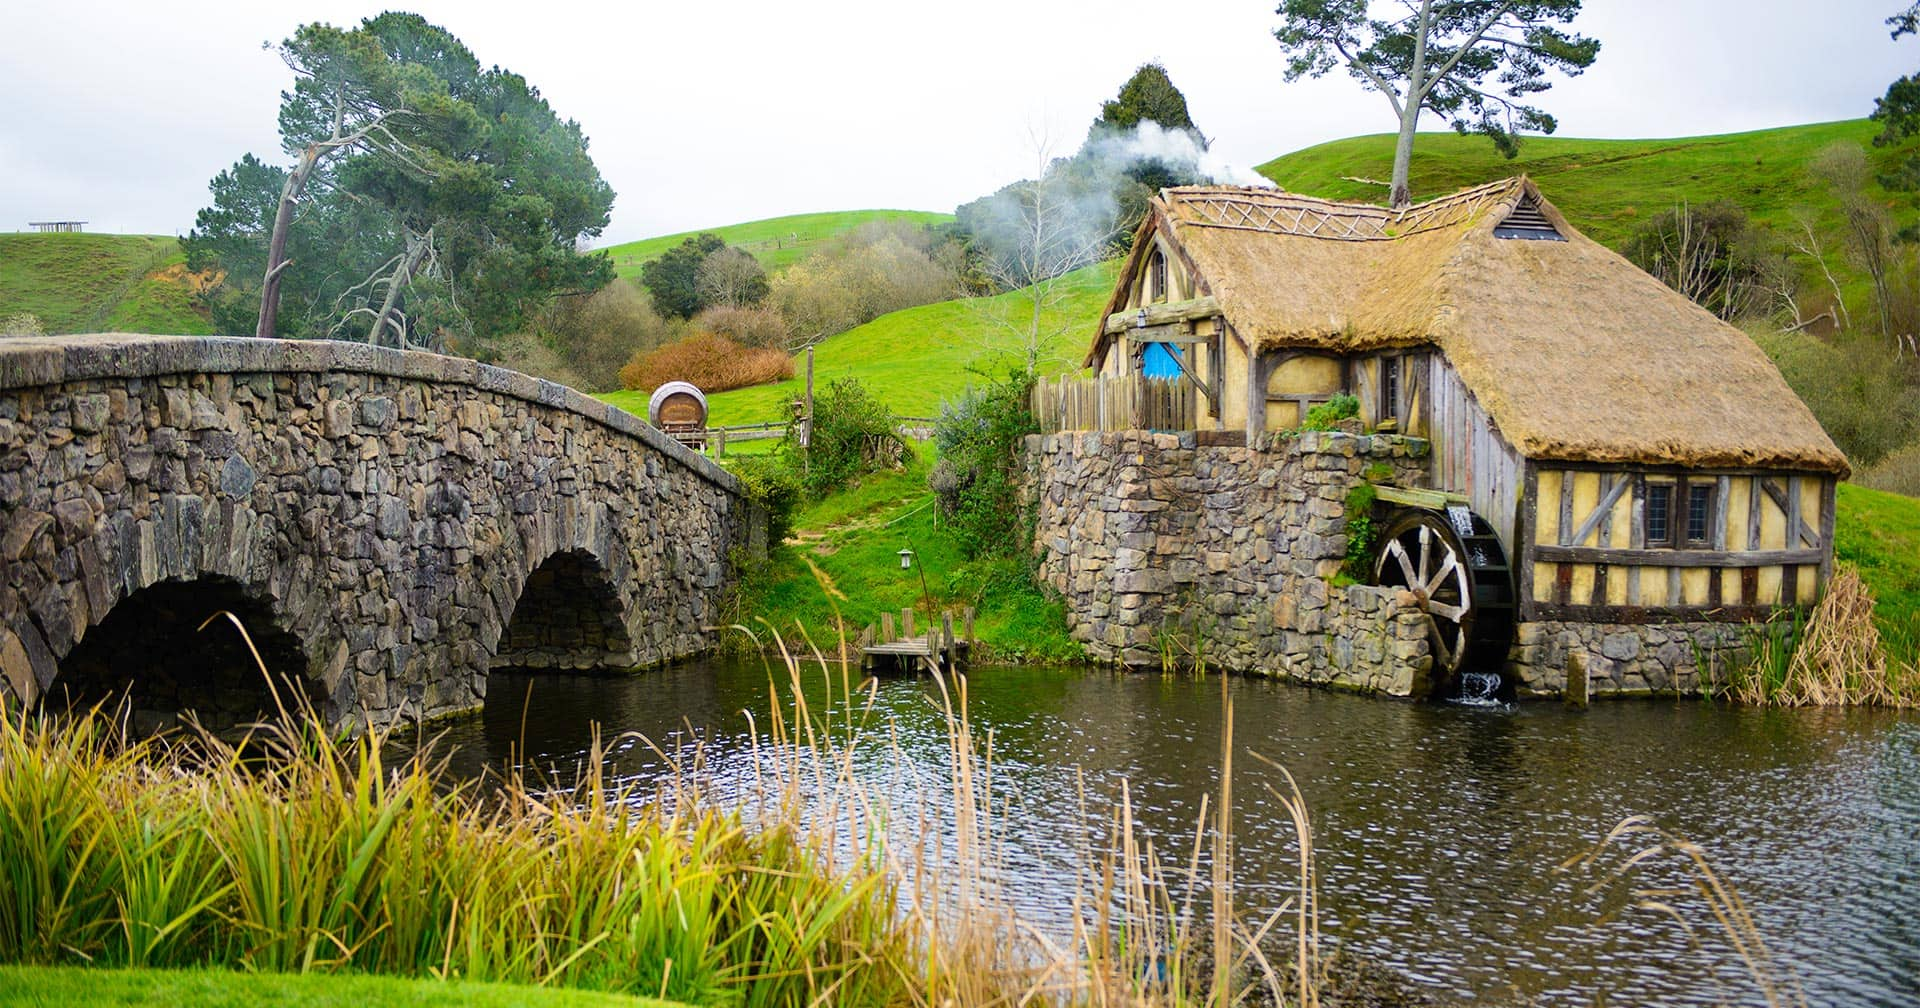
x=906, y=559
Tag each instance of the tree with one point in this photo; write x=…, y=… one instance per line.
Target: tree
x=427, y=195
x=1899, y=113
x=1029, y=235
x=674, y=278
x=1147, y=96
x=1469, y=61
x=732, y=278
x=1715, y=256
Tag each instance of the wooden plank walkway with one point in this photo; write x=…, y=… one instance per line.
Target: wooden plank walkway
x=939, y=648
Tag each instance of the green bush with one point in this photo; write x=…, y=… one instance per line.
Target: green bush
x=770, y=483
x=1327, y=415
x=977, y=477
x=1361, y=533
x=1859, y=392
x=853, y=434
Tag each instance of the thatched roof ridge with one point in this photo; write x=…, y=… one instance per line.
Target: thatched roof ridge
x=1575, y=353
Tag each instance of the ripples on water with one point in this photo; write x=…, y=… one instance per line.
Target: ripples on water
x=1437, y=827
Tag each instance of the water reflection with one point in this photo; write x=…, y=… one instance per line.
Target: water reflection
x=1438, y=827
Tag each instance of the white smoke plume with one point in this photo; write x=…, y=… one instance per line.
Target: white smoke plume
x=1178, y=149
x=1072, y=215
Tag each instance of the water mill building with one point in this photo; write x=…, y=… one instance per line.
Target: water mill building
x=1575, y=470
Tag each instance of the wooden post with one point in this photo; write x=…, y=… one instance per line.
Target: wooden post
x=886, y=628
x=1576, y=691
x=720, y=444
x=966, y=620
x=946, y=637
x=806, y=423
x=906, y=623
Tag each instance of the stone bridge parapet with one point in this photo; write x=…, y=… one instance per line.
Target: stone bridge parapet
x=401, y=522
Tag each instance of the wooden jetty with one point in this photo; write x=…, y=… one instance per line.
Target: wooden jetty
x=882, y=646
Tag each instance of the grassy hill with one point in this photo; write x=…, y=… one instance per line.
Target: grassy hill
x=777, y=242
x=99, y=282
x=915, y=358
x=1606, y=187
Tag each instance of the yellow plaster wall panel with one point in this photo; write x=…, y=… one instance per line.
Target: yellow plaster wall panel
x=1543, y=578
x=1582, y=584
x=1547, y=507
x=1306, y=376
x=1773, y=525
x=1768, y=591
x=1653, y=586
x=1693, y=585
x=1586, y=495
x=1739, y=493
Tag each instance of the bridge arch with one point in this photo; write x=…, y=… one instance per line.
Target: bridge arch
x=390, y=510
x=569, y=615
x=164, y=652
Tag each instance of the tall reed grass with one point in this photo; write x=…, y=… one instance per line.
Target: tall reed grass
x=840, y=873
x=1834, y=657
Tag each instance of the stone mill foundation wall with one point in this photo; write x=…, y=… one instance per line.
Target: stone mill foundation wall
x=1170, y=551
x=1623, y=659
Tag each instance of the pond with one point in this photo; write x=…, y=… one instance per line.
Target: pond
x=1438, y=827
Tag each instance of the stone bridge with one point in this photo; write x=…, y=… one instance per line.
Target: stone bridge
x=388, y=526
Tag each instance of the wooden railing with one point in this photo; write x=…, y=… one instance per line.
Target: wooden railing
x=1108, y=403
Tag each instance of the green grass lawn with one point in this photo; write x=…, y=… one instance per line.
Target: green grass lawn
x=1607, y=188
x=777, y=242
x=842, y=567
x=98, y=282
x=1879, y=533
x=916, y=358
x=81, y=987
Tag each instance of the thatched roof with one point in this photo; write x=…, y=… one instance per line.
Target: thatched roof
x=1573, y=351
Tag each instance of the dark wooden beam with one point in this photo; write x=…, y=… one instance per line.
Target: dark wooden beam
x=1674, y=557
x=1640, y=615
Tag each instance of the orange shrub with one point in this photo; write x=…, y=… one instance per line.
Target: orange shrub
x=712, y=363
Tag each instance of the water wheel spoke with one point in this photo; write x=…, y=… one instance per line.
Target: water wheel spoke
x=1439, y=638
x=1423, y=566
x=1448, y=565
x=1399, y=553
x=1451, y=612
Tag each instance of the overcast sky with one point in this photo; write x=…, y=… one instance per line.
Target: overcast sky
x=713, y=112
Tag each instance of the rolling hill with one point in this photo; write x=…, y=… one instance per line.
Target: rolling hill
x=916, y=358
x=99, y=282
x=1607, y=188
x=777, y=242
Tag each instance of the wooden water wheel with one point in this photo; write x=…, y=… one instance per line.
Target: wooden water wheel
x=1454, y=565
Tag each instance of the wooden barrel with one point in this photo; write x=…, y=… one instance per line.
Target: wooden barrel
x=680, y=409
x=678, y=404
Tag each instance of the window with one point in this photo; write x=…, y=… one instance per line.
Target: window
x=1679, y=514
x=1389, y=387
x=1659, y=514
x=1699, y=512
x=1157, y=282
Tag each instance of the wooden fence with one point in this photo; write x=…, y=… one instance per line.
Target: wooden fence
x=1108, y=403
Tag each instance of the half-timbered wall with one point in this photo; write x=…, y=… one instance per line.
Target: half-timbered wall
x=1164, y=278
x=1753, y=541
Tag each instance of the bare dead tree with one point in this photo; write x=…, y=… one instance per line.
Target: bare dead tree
x=1053, y=233
x=1808, y=244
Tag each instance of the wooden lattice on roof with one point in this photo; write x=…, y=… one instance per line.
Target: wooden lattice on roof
x=1278, y=212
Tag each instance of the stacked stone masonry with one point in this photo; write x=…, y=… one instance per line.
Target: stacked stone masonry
x=1625, y=659
x=1169, y=551
x=1166, y=551
x=389, y=509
